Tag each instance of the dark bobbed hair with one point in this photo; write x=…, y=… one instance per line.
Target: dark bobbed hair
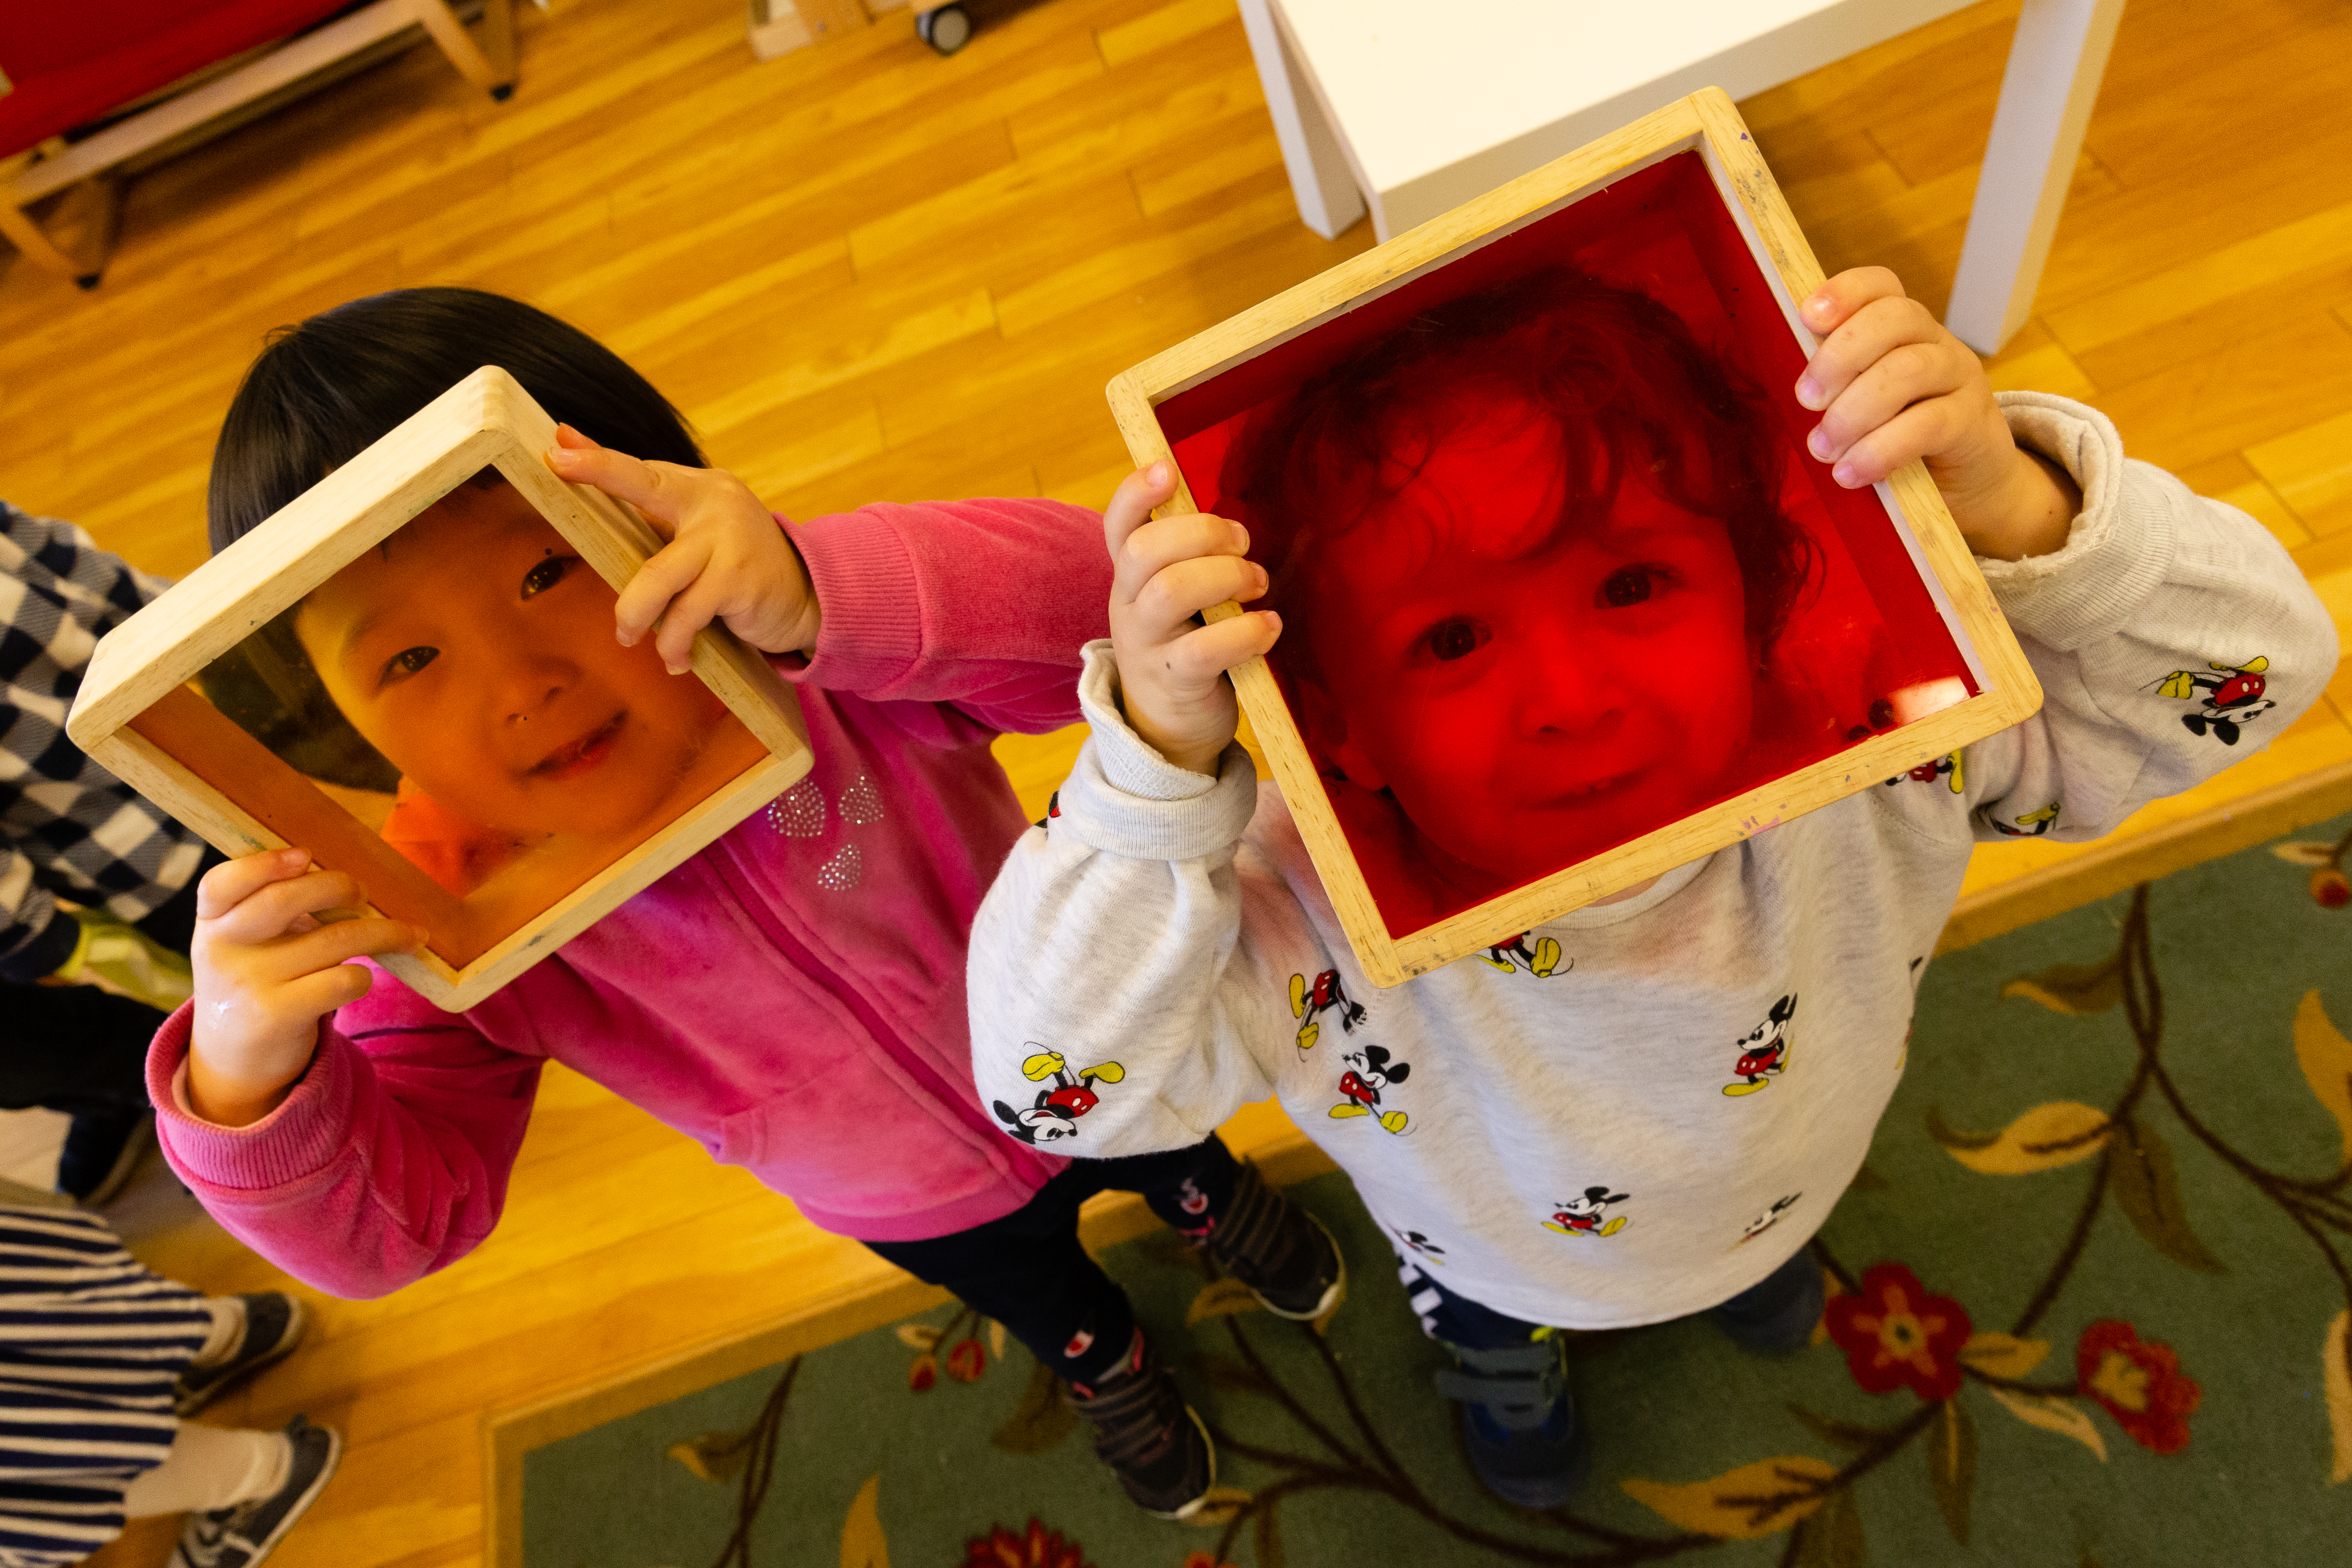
x=324, y=390
x=1617, y=373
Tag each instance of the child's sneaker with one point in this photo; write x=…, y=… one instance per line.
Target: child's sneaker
x=1518, y=1422
x=102, y=1154
x=274, y=1323
x=241, y=1535
x=1148, y=1436
x=1778, y=1312
x=1278, y=1249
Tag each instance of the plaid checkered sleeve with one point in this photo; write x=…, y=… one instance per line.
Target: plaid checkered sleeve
x=71, y=829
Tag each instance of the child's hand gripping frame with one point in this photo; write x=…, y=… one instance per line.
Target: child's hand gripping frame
x=1707, y=124
x=138, y=717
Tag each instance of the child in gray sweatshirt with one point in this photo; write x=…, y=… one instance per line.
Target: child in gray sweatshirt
x=1643, y=1109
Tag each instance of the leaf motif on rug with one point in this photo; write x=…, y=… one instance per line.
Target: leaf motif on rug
x=1752, y=1501
x=2141, y=1177
x=2052, y=1413
x=1952, y=1467
x=1041, y=1420
x=2048, y=1136
x=2073, y=987
x=861, y=1543
x=1219, y=1505
x=2335, y=1376
x=2004, y=1355
x=1832, y=1537
x=2325, y=1057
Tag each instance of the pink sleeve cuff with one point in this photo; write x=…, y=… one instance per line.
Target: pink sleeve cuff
x=865, y=579
x=299, y=1138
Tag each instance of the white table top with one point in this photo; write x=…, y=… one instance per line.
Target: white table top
x=1420, y=85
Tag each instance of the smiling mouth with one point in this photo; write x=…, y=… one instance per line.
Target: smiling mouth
x=1594, y=791
x=587, y=752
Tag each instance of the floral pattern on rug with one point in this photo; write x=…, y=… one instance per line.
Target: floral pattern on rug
x=1928, y=1391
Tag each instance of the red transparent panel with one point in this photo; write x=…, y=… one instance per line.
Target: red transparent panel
x=1555, y=568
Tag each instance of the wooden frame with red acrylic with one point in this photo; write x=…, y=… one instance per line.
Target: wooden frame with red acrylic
x=140, y=717
x=1706, y=123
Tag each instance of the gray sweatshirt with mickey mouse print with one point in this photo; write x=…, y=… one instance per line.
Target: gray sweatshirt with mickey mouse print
x=1645, y=1107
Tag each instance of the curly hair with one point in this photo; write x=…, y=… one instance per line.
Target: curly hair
x=1617, y=373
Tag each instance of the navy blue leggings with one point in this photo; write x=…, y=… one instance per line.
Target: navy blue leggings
x=1027, y=1270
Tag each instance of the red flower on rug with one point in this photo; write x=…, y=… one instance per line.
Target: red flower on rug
x=1197, y=1559
x=966, y=1361
x=1038, y=1547
x=923, y=1372
x=1893, y=1333
x=2140, y=1384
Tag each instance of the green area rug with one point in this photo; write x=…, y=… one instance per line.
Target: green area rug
x=2092, y=1292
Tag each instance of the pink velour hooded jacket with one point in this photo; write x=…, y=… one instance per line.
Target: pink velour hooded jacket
x=791, y=996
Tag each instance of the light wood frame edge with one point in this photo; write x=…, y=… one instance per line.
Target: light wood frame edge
x=1705, y=119
x=486, y=420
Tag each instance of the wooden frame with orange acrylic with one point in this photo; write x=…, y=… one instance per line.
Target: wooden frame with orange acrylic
x=138, y=715
x=1708, y=123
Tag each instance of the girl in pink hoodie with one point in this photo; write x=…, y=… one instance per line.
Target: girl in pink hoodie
x=791, y=996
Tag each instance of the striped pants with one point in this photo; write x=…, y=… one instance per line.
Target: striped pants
x=91, y=1349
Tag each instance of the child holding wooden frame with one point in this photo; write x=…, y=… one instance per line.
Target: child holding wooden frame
x=791, y=997
x=1643, y=1109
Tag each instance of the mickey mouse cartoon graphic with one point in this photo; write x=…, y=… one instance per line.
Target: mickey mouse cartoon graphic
x=2033, y=825
x=1422, y=1245
x=1311, y=1002
x=1362, y=1084
x=1511, y=954
x=1584, y=1214
x=2232, y=697
x=1947, y=766
x=1764, y=1052
x=1768, y=1219
x=1057, y=1111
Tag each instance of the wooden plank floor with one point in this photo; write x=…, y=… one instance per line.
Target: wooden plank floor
x=867, y=272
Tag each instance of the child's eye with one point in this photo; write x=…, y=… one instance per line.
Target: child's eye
x=548, y=573
x=1628, y=586
x=405, y=663
x=1455, y=637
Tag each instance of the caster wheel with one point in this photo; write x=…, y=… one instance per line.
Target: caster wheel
x=502, y=92
x=946, y=29
x=87, y=281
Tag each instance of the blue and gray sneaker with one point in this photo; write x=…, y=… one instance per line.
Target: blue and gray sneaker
x=1518, y=1422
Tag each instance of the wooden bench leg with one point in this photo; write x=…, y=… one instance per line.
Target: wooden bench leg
x=89, y=257
x=488, y=61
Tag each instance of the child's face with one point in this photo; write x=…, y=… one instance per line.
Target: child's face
x=475, y=650
x=1528, y=693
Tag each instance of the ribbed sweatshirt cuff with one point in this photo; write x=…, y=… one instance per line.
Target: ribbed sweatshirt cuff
x=1125, y=798
x=299, y=1138
x=2121, y=545
x=871, y=632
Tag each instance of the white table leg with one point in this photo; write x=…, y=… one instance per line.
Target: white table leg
x=1320, y=181
x=2055, y=66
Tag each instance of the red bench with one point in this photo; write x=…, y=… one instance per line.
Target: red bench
x=161, y=69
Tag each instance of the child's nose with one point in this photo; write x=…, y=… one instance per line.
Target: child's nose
x=1562, y=694
x=530, y=684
